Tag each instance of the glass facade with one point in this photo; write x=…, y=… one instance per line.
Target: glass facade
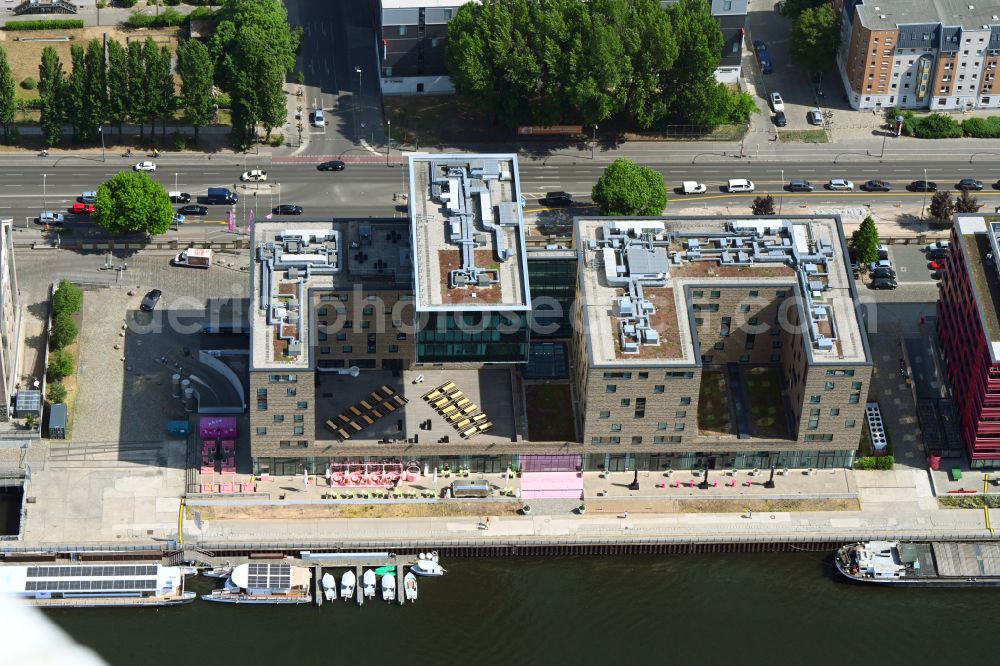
x=553, y=288
x=473, y=337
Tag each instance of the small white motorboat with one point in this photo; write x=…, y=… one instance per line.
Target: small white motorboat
x=369, y=583
x=428, y=565
x=388, y=588
x=329, y=587
x=347, y=582
x=218, y=572
x=410, y=587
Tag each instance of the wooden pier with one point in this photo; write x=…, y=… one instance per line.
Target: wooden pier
x=318, y=584
x=359, y=587
x=400, y=588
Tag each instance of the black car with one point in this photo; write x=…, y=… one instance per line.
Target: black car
x=922, y=186
x=193, y=209
x=969, y=184
x=180, y=197
x=332, y=165
x=799, y=185
x=883, y=283
x=287, y=209
x=150, y=300
x=557, y=199
x=939, y=253
x=779, y=119
x=883, y=272
x=876, y=186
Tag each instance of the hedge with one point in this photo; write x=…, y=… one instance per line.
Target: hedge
x=169, y=18
x=56, y=24
x=875, y=462
x=943, y=126
x=982, y=128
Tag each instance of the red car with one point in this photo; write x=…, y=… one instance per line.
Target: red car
x=937, y=265
x=82, y=209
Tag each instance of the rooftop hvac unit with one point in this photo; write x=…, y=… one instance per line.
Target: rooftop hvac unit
x=650, y=336
x=825, y=343
x=625, y=307
x=293, y=273
x=647, y=307
x=630, y=347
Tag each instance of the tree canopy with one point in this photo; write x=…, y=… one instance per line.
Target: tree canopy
x=587, y=62
x=815, y=37
x=942, y=205
x=51, y=83
x=966, y=203
x=763, y=205
x=194, y=64
x=8, y=93
x=864, y=241
x=625, y=188
x=133, y=202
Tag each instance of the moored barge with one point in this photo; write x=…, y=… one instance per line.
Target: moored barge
x=921, y=564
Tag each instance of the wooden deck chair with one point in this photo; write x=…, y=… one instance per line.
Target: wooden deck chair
x=375, y=396
x=468, y=431
x=447, y=386
x=331, y=425
x=343, y=418
x=389, y=406
x=400, y=400
x=468, y=410
x=356, y=427
x=367, y=405
x=449, y=410
x=485, y=427
x=440, y=402
x=354, y=410
x=388, y=390
x=367, y=419
x=432, y=395
x=462, y=403
x=479, y=418
x=464, y=423
x=344, y=435
x=377, y=414
x=456, y=394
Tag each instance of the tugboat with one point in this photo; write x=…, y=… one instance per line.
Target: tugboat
x=921, y=564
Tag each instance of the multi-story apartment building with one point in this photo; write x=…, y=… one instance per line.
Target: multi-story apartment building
x=411, y=54
x=10, y=321
x=661, y=333
x=719, y=343
x=969, y=333
x=918, y=54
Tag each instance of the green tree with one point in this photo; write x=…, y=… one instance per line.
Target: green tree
x=76, y=92
x=67, y=298
x=55, y=392
x=139, y=95
x=64, y=330
x=815, y=37
x=117, y=79
x=95, y=99
x=60, y=365
x=160, y=83
x=625, y=188
x=51, y=83
x=694, y=96
x=133, y=202
x=8, y=94
x=194, y=64
x=966, y=203
x=942, y=206
x=793, y=8
x=254, y=49
x=864, y=242
x=763, y=205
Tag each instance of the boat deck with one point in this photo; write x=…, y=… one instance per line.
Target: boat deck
x=975, y=559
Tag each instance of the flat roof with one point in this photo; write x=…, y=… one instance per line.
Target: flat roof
x=417, y=4
x=466, y=222
x=887, y=14
x=292, y=259
x=636, y=309
x=974, y=232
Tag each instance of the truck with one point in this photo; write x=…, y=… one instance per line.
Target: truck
x=220, y=195
x=194, y=257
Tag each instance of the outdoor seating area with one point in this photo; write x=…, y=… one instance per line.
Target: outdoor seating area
x=218, y=457
x=458, y=410
x=360, y=415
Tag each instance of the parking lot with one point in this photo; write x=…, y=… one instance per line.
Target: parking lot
x=911, y=264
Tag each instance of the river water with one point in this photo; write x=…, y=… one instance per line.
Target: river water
x=729, y=609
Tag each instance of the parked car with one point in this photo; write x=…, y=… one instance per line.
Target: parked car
x=254, y=176
x=88, y=197
x=939, y=245
x=179, y=197
x=193, y=209
x=150, y=300
x=332, y=165
x=799, y=185
x=553, y=199
x=287, y=209
x=876, y=186
x=777, y=103
x=318, y=119
x=814, y=117
x=765, y=63
x=937, y=264
x=179, y=218
x=759, y=45
x=740, y=185
x=939, y=253
x=840, y=185
x=51, y=218
x=969, y=184
x=82, y=209
x=922, y=186
x=883, y=283
x=883, y=272
x=881, y=263
x=145, y=166
x=779, y=119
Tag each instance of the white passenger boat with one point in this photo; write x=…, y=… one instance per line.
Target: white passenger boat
x=428, y=565
x=89, y=585
x=410, y=587
x=265, y=583
x=347, y=582
x=218, y=572
x=369, y=583
x=388, y=588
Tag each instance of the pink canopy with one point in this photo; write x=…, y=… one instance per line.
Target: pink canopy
x=217, y=427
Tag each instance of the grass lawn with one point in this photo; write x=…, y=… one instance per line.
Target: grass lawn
x=418, y=120
x=550, y=412
x=713, y=403
x=767, y=407
x=804, y=136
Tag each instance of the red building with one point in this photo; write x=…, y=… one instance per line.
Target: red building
x=969, y=333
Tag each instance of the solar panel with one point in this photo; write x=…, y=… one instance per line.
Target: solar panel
x=269, y=576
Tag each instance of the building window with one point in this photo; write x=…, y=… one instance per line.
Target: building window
x=680, y=414
x=636, y=439
x=719, y=346
x=302, y=404
x=706, y=359
x=402, y=30
x=610, y=388
x=673, y=374
x=662, y=425
x=751, y=339
x=855, y=398
x=298, y=418
x=640, y=408
x=835, y=411
x=347, y=349
x=715, y=294
x=699, y=321
x=685, y=401
x=675, y=439
x=393, y=349
x=744, y=308
x=754, y=293
x=776, y=344
x=291, y=392
x=697, y=294
x=298, y=430
x=814, y=399
x=643, y=375
x=753, y=321
x=618, y=375
x=261, y=430
x=658, y=388
x=626, y=402
x=850, y=423
x=814, y=411
x=279, y=418
x=829, y=386
x=856, y=386
x=678, y=426
x=745, y=358
x=813, y=424
x=659, y=439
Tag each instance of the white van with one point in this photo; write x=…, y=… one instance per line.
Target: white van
x=88, y=197
x=693, y=187
x=740, y=185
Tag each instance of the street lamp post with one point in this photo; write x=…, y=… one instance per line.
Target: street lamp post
x=388, y=145
x=279, y=195
x=357, y=105
x=45, y=199
x=781, y=193
x=175, y=181
x=100, y=130
x=593, y=144
x=924, y=207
